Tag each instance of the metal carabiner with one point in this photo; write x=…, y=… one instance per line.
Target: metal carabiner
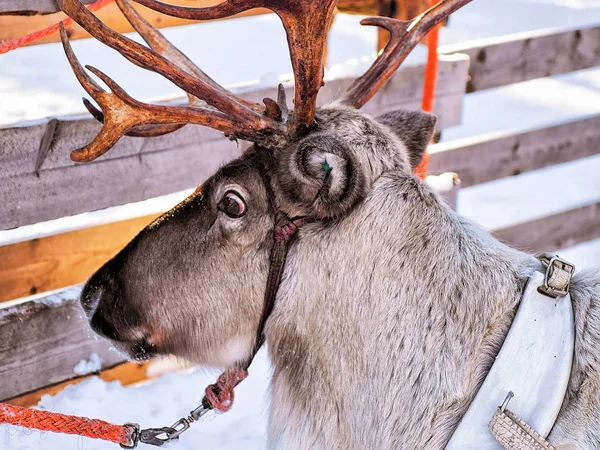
x=151, y=436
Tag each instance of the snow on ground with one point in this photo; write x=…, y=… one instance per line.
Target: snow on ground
x=157, y=404
x=87, y=366
x=26, y=94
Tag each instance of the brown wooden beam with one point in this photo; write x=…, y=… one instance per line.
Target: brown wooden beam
x=53, y=262
x=21, y=17
x=13, y=26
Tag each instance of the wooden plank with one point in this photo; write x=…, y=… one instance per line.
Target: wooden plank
x=365, y=7
x=137, y=168
x=126, y=374
x=491, y=157
x=526, y=56
x=554, y=232
x=53, y=262
x=14, y=26
x=21, y=17
x=31, y=7
x=41, y=341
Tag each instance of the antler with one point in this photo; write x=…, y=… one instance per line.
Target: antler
x=306, y=23
x=404, y=36
x=235, y=117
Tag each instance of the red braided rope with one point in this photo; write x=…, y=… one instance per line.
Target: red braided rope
x=220, y=395
x=61, y=423
x=12, y=44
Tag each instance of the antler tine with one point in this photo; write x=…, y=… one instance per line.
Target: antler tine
x=121, y=113
x=249, y=123
x=306, y=24
x=225, y=9
x=139, y=131
x=404, y=36
x=160, y=44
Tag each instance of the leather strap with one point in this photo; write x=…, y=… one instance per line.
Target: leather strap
x=534, y=363
x=220, y=395
x=282, y=235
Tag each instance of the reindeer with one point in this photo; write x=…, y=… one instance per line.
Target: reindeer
x=382, y=309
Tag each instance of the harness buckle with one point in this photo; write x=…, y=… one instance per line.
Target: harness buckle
x=557, y=278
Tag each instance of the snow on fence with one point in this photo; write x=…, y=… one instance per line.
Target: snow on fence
x=43, y=338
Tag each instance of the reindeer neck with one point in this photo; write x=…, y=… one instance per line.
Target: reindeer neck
x=388, y=320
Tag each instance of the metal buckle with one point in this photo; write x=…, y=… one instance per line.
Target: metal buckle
x=151, y=436
x=551, y=264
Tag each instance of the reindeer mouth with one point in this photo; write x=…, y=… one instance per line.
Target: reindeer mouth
x=142, y=349
x=137, y=350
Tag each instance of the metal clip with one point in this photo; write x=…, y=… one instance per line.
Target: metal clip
x=197, y=413
x=179, y=427
x=508, y=398
x=558, y=275
x=151, y=436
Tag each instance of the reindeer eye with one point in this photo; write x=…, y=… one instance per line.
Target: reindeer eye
x=233, y=205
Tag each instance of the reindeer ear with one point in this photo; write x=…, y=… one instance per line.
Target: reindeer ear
x=318, y=177
x=413, y=128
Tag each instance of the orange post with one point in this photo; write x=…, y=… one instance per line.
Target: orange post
x=431, y=70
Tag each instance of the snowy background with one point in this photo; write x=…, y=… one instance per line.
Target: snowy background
x=26, y=94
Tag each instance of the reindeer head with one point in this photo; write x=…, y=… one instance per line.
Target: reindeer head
x=193, y=282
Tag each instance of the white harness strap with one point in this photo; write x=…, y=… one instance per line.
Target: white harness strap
x=534, y=363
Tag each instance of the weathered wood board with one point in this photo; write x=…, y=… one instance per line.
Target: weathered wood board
x=20, y=17
x=558, y=231
x=526, y=56
x=13, y=26
x=496, y=156
x=42, y=341
x=137, y=168
x=126, y=374
x=30, y=7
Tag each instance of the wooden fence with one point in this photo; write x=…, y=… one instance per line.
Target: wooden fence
x=43, y=337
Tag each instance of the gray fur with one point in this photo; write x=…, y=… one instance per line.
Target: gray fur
x=391, y=308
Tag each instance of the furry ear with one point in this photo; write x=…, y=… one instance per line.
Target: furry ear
x=318, y=177
x=413, y=128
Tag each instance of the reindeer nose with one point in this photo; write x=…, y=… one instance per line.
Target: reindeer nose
x=98, y=298
x=91, y=295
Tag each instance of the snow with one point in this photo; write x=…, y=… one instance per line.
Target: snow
x=157, y=404
x=87, y=366
x=28, y=94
